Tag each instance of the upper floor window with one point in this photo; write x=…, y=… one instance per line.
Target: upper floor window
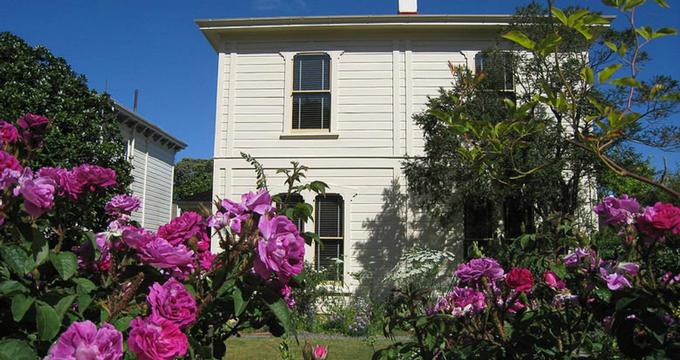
x=311, y=92
x=498, y=69
x=330, y=228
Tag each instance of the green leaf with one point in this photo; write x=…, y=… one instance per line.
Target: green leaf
x=588, y=75
x=521, y=39
x=645, y=31
x=626, y=81
x=20, y=305
x=84, y=285
x=631, y=4
x=63, y=305
x=123, y=323
x=662, y=3
x=12, y=349
x=11, y=287
x=17, y=259
x=282, y=313
x=239, y=304
x=47, y=321
x=559, y=14
x=65, y=262
x=607, y=72
x=664, y=32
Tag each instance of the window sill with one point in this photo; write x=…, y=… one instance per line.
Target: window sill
x=293, y=136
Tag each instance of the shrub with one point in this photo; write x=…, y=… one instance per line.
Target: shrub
x=579, y=305
x=163, y=291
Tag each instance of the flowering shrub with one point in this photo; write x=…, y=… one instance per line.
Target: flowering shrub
x=71, y=292
x=579, y=304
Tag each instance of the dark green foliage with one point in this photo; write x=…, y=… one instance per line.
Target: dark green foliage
x=83, y=124
x=192, y=176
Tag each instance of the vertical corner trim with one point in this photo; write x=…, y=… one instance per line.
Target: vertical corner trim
x=396, y=101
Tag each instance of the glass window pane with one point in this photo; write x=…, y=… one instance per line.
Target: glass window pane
x=311, y=72
x=327, y=256
x=329, y=216
x=311, y=111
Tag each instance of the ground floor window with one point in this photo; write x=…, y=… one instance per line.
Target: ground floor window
x=330, y=228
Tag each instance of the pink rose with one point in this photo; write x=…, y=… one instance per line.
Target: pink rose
x=182, y=228
x=83, y=341
x=659, y=219
x=173, y=302
x=282, y=250
x=472, y=271
x=320, y=352
x=88, y=177
x=618, y=211
x=159, y=253
x=33, y=128
x=551, y=279
x=520, y=280
x=38, y=193
x=259, y=202
x=122, y=205
x=8, y=133
x=156, y=339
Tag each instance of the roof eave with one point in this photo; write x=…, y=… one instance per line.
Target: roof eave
x=132, y=117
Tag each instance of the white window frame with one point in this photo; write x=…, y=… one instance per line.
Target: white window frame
x=287, y=131
x=342, y=239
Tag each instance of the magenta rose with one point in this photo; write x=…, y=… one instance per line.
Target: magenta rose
x=38, y=193
x=10, y=170
x=159, y=253
x=122, y=205
x=618, y=211
x=88, y=177
x=660, y=219
x=553, y=281
x=156, y=339
x=320, y=352
x=520, y=280
x=182, y=228
x=259, y=202
x=33, y=129
x=460, y=302
x=173, y=302
x=59, y=175
x=7, y=161
x=474, y=270
x=83, y=341
x=8, y=133
x=281, y=251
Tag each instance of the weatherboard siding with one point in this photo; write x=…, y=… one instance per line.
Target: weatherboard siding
x=377, y=86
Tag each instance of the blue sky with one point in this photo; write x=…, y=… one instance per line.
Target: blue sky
x=154, y=46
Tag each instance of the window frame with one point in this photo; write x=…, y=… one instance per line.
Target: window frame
x=319, y=91
x=481, y=57
x=340, y=269
x=287, y=131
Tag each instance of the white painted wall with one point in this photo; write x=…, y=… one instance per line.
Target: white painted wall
x=377, y=86
x=153, y=167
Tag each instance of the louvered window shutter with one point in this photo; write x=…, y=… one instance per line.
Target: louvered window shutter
x=330, y=228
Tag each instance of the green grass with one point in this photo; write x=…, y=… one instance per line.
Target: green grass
x=267, y=348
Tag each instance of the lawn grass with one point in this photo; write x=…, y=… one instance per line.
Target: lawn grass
x=267, y=348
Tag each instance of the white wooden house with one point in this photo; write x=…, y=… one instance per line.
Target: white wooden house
x=337, y=94
x=151, y=151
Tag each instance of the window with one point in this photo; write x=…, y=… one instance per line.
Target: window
x=477, y=223
x=329, y=227
x=311, y=92
x=498, y=69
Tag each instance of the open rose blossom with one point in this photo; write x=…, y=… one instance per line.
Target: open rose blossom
x=618, y=211
x=83, y=341
x=8, y=133
x=38, y=193
x=173, y=302
x=460, y=302
x=259, y=202
x=10, y=170
x=88, y=177
x=122, y=205
x=660, y=219
x=474, y=270
x=520, y=280
x=159, y=253
x=282, y=250
x=156, y=339
x=182, y=228
x=320, y=352
x=33, y=129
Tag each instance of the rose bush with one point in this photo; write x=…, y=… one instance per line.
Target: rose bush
x=585, y=306
x=163, y=292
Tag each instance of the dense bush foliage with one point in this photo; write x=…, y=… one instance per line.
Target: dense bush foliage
x=620, y=302
x=83, y=127
x=67, y=290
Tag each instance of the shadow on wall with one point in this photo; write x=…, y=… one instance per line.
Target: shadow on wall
x=389, y=237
